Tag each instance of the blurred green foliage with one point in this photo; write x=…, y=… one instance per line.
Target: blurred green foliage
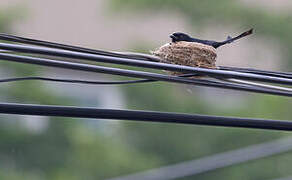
x=79, y=149
x=176, y=143
x=67, y=149
x=226, y=12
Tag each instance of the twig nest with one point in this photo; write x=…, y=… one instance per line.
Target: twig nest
x=187, y=54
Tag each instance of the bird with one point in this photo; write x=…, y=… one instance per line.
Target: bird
x=179, y=36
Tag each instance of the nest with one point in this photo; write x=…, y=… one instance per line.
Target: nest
x=187, y=54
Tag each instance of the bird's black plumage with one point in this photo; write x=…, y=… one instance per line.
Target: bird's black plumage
x=178, y=36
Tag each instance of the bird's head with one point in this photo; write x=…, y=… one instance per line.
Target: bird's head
x=178, y=36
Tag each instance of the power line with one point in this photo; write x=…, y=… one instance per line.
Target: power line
x=74, y=80
x=146, y=77
x=138, y=74
x=82, y=81
x=257, y=71
x=213, y=162
x=144, y=116
x=23, y=40
x=125, y=55
x=124, y=59
x=146, y=64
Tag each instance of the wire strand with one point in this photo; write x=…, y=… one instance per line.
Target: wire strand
x=257, y=71
x=136, y=74
x=83, y=81
x=125, y=54
x=147, y=64
x=23, y=40
x=213, y=162
x=73, y=80
x=143, y=116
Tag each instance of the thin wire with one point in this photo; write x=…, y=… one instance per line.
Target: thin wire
x=83, y=81
x=127, y=55
x=74, y=80
x=257, y=71
x=147, y=64
x=213, y=162
x=141, y=115
x=54, y=46
x=136, y=74
x=222, y=79
x=23, y=40
x=257, y=84
x=144, y=116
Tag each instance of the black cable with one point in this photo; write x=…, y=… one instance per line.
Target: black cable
x=74, y=80
x=213, y=162
x=23, y=40
x=107, y=53
x=146, y=64
x=142, y=115
x=46, y=50
x=257, y=71
x=146, y=116
x=137, y=74
x=82, y=81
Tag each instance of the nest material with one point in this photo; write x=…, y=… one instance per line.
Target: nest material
x=187, y=54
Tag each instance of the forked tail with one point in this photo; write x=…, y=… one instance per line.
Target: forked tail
x=230, y=40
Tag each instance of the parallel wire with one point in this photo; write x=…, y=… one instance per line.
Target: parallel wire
x=74, y=80
x=146, y=64
x=144, y=116
x=147, y=76
x=23, y=40
x=83, y=81
x=136, y=74
x=257, y=71
x=131, y=59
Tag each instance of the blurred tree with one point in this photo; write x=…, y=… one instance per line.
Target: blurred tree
x=66, y=149
x=176, y=143
x=227, y=12
x=73, y=149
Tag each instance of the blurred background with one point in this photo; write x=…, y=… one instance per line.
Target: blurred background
x=33, y=147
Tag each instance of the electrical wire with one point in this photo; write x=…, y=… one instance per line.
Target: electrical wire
x=125, y=54
x=73, y=80
x=257, y=71
x=137, y=74
x=143, y=116
x=146, y=64
x=83, y=81
x=80, y=49
x=141, y=61
x=143, y=81
x=257, y=84
x=213, y=162
x=23, y=40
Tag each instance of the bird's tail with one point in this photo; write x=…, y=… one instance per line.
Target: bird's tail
x=230, y=39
